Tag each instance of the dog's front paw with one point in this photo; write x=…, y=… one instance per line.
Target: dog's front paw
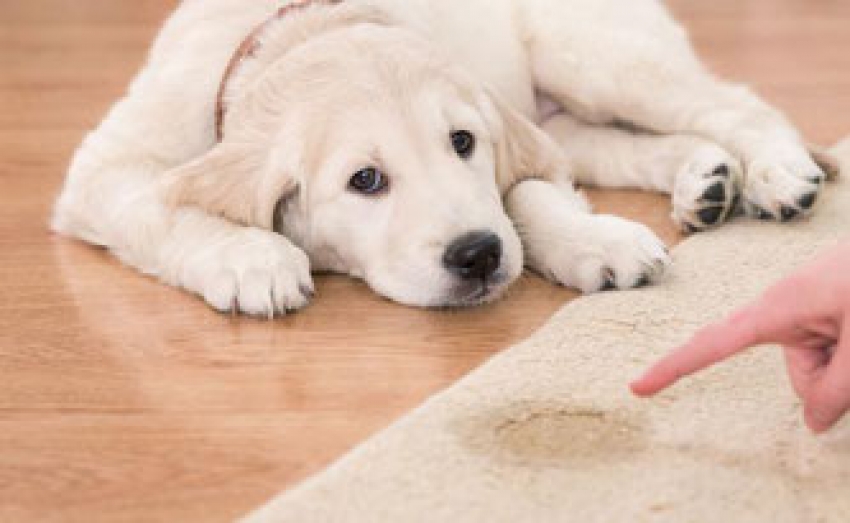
x=612, y=253
x=253, y=272
x=707, y=189
x=782, y=184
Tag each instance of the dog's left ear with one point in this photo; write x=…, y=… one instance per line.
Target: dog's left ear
x=523, y=150
x=232, y=180
x=826, y=161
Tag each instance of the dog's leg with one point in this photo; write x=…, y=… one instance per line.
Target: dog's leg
x=702, y=177
x=233, y=268
x=564, y=242
x=637, y=66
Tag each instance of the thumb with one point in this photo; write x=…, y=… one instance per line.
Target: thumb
x=821, y=415
x=829, y=398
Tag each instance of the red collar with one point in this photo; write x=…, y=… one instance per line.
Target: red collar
x=248, y=49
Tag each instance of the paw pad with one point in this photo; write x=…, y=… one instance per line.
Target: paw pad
x=808, y=201
x=716, y=193
x=788, y=213
x=714, y=197
x=763, y=215
x=722, y=170
x=711, y=215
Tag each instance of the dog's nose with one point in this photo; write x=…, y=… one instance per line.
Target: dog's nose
x=474, y=256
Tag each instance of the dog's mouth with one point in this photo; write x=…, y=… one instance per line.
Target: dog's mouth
x=477, y=292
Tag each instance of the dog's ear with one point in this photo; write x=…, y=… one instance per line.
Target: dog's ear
x=523, y=150
x=826, y=161
x=232, y=180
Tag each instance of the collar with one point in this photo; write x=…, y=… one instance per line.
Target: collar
x=248, y=49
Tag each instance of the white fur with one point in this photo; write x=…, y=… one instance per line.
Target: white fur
x=572, y=247
x=383, y=82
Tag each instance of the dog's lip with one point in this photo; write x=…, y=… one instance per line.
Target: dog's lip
x=482, y=292
x=479, y=294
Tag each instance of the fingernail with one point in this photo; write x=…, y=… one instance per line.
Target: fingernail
x=637, y=389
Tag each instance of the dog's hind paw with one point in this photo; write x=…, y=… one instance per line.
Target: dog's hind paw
x=782, y=186
x=707, y=191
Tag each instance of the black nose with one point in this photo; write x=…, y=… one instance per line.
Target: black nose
x=474, y=256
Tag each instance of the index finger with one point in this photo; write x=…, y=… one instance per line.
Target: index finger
x=748, y=327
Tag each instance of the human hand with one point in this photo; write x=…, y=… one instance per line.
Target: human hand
x=808, y=314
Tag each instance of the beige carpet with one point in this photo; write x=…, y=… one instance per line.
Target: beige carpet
x=547, y=431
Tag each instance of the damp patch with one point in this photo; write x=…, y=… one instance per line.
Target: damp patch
x=553, y=434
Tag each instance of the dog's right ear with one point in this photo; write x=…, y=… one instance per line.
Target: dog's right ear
x=232, y=180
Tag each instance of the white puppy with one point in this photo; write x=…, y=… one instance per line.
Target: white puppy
x=400, y=142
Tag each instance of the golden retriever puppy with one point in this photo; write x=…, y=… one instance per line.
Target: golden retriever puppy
x=429, y=147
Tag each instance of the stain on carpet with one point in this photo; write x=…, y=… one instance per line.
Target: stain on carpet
x=553, y=434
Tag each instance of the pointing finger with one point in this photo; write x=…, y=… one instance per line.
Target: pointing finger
x=753, y=325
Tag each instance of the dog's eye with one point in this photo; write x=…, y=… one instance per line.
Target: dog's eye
x=463, y=143
x=368, y=181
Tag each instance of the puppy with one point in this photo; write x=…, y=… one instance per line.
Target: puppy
x=404, y=143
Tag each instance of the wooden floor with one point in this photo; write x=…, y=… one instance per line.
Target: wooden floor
x=124, y=400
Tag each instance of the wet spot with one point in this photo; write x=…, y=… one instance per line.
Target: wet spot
x=661, y=507
x=554, y=434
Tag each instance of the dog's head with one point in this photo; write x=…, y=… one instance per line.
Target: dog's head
x=381, y=160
